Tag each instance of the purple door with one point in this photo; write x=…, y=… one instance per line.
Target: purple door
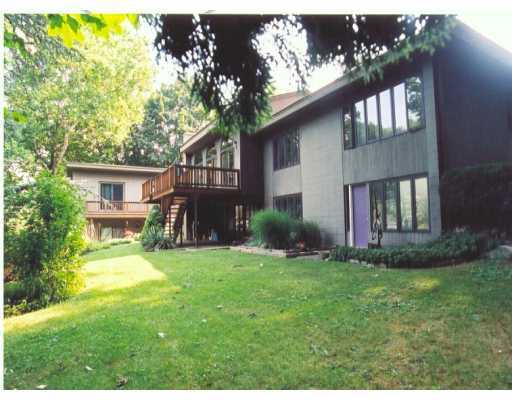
x=360, y=207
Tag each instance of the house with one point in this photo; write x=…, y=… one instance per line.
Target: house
x=112, y=193
x=352, y=156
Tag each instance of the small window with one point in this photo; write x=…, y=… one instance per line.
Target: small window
x=198, y=158
x=405, y=205
x=390, y=192
x=227, y=154
x=400, y=108
x=287, y=150
x=211, y=156
x=346, y=203
x=386, y=114
x=421, y=203
x=360, y=124
x=415, y=117
x=347, y=128
x=372, y=119
x=290, y=204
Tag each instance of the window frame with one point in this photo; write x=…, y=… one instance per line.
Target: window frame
x=283, y=145
x=112, y=183
x=397, y=180
x=352, y=106
x=297, y=197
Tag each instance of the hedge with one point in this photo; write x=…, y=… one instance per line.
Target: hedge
x=450, y=248
x=478, y=198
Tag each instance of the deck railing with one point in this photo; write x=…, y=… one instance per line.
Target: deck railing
x=116, y=207
x=191, y=177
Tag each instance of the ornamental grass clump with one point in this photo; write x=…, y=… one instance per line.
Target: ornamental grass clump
x=272, y=228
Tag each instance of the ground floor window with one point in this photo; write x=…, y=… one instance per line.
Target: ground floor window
x=291, y=204
x=401, y=204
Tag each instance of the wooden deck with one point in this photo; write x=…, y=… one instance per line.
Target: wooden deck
x=116, y=209
x=188, y=179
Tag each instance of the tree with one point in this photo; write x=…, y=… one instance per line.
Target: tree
x=168, y=115
x=81, y=107
x=232, y=69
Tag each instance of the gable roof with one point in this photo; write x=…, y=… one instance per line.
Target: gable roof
x=277, y=103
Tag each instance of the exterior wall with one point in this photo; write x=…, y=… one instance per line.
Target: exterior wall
x=89, y=182
x=408, y=154
x=326, y=167
x=475, y=106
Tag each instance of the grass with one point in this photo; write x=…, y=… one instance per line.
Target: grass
x=232, y=320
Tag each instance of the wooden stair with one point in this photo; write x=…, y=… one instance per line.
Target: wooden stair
x=173, y=208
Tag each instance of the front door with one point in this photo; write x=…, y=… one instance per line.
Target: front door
x=360, y=207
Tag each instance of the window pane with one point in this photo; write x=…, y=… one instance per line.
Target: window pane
x=117, y=192
x=211, y=156
x=421, y=198
x=405, y=205
x=198, y=158
x=400, y=109
x=347, y=127
x=391, y=205
x=106, y=191
x=386, y=116
x=376, y=206
x=372, y=118
x=414, y=103
x=360, y=124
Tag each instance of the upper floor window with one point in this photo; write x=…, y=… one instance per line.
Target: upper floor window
x=227, y=154
x=290, y=204
x=198, y=158
x=211, y=156
x=287, y=150
x=391, y=112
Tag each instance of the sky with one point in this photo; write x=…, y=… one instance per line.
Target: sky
x=495, y=26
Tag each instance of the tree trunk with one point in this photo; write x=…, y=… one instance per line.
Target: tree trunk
x=59, y=156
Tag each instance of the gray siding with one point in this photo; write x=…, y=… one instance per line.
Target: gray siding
x=325, y=167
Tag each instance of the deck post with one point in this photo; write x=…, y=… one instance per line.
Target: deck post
x=195, y=221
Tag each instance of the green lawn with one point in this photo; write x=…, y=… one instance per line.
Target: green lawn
x=233, y=320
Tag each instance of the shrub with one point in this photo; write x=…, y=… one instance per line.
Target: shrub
x=153, y=236
x=307, y=232
x=49, y=240
x=448, y=249
x=478, y=197
x=273, y=228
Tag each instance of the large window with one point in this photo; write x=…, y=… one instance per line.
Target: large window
x=112, y=191
x=112, y=196
x=227, y=154
x=287, y=150
x=402, y=204
x=391, y=112
x=291, y=204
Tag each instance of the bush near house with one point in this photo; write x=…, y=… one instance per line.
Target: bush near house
x=45, y=244
x=95, y=245
x=153, y=236
x=478, y=198
x=448, y=249
x=277, y=230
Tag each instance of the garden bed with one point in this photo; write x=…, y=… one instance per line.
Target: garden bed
x=292, y=253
